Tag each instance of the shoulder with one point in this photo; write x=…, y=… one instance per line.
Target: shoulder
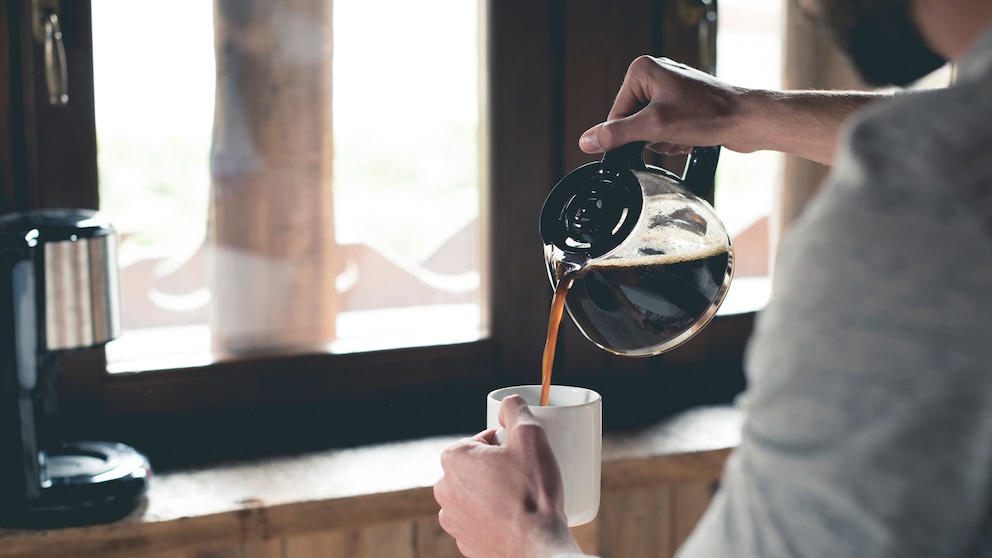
x=920, y=130
x=927, y=145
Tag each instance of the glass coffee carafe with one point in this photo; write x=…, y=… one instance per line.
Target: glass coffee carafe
x=644, y=257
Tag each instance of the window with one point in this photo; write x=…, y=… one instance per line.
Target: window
x=303, y=186
x=546, y=80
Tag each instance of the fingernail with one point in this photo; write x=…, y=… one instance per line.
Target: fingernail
x=589, y=143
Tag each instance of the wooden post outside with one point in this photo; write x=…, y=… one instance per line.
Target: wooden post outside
x=271, y=235
x=811, y=62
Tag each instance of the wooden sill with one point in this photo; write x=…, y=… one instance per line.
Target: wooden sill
x=349, y=488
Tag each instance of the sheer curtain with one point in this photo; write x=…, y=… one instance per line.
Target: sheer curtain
x=811, y=62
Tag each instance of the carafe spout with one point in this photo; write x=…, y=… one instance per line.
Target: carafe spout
x=568, y=264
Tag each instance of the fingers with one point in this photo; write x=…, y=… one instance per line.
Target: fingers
x=487, y=437
x=503, y=500
x=513, y=411
x=634, y=95
x=668, y=105
x=523, y=431
x=649, y=124
x=636, y=91
x=607, y=136
x=670, y=148
x=614, y=133
x=514, y=414
x=454, y=463
x=589, y=141
x=456, y=455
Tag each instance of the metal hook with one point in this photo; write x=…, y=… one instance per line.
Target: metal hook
x=48, y=32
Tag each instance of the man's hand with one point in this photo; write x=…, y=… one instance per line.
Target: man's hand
x=505, y=500
x=673, y=107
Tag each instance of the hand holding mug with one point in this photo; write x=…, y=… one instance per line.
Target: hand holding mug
x=505, y=499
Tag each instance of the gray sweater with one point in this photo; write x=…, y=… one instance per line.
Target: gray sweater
x=868, y=428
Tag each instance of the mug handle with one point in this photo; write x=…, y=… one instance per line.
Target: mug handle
x=500, y=437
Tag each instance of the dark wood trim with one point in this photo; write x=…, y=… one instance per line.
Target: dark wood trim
x=521, y=46
x=8, y=61
x=13, y=140
x=60, y=142
x=298, y=378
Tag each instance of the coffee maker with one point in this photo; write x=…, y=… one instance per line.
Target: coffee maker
x=58, y=293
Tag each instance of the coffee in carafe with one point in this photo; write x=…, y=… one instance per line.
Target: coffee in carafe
x=647, y=298
x=646, y=262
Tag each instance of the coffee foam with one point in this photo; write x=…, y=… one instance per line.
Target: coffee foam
x=676, y=244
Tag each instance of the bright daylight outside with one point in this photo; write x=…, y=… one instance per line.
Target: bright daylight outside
x=405, y=216
x=406, y=242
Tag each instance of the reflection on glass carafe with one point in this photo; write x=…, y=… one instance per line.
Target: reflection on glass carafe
x=646, y=261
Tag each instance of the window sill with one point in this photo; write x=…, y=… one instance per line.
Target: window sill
x=746, y=295
x=353, y=488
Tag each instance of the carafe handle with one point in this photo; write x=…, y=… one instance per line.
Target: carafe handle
x=700, y=171
x=629, y=156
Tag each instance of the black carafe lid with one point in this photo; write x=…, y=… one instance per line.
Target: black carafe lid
x=595, y=207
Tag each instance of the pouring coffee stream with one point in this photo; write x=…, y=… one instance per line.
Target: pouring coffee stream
x=635, y=253
x=554, y=323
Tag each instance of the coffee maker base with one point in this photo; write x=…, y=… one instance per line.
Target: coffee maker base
x=84, y=483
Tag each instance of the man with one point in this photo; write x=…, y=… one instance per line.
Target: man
x=868, y=413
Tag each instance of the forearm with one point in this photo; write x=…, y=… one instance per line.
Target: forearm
x=673, y=107
x=802, y=123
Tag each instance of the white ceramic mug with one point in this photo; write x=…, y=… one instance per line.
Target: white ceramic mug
x=573, y=421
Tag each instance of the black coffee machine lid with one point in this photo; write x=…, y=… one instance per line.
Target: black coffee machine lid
x=53, y=225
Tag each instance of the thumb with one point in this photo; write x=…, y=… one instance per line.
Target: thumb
x=608, y=135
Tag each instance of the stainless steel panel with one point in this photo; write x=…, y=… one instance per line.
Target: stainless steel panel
x=82, y=300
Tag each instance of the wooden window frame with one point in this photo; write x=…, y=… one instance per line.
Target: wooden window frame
x=553, y=69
